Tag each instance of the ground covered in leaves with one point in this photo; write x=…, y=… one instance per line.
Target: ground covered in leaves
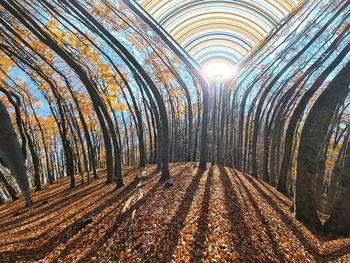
x=219, y=215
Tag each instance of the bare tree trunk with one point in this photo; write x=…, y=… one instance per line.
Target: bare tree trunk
x=11, y=154
x=8, y=187
x=312, y=137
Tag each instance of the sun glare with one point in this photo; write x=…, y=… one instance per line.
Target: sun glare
x=219, y=69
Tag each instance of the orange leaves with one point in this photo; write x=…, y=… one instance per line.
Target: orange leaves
x=164, y=76
x=99, y=9
x=120, y=25
x=107, y=74
x=114, y=88
x=176, y=92
x=85, y=50
x=113, y=100
x=153, y=56
x=222, y=217
x=137, y=41
x=94, y=56
x=5, y=64
x=61, y=220
x=43, y=86
x=72, y=39
x=50, y=122
x=330, y=164
x=55, y=32
x=80, y=96
x=117, y=106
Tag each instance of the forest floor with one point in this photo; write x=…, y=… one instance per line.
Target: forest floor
x=219, y=215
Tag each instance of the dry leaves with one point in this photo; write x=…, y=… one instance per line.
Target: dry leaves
x=215, y=216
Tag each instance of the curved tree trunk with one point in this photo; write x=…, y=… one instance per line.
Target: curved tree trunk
x=296, y=116
x=11, y=154
x=312, y=137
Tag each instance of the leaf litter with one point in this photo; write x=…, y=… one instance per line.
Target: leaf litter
x=219, y=215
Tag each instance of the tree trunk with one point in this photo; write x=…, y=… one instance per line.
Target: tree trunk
x=8, y=187
x=296, y=116
x=312, y=137
x=11, y=154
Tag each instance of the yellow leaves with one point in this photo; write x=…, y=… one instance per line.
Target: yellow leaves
x=32, y=120
x=85, y=50
x=5, y=64
x=164, y=76
x=21, y=32
x=107, y=75
x=94, y=56
x=233, y=88
x=114, y=101
x=52, y=24
x=103, y=67
x=50, y=122
x=112, y=82
x=118, y=106
x=43, y=86
x=72, y=39
x=50, y=57
x=80, y=96
x=86, y=109
x=111, y=85
x=114, y=88
x=60, y=36
x=55, y=32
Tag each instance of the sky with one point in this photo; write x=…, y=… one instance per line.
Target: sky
x=223, y=30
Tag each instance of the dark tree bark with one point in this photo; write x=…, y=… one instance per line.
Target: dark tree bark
x=8, y=187
x=312, y=137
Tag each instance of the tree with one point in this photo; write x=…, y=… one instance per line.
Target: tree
x=11, y=155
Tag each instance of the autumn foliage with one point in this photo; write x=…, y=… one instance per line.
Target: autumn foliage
x=125, y=151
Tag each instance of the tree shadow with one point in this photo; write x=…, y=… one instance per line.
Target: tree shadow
x=60, y=220
x=37, y=197
x=65, y=234
x=299, y=233
x=274, y=244
x=61, y=198
x=131, y=170
x=287, y=203
x=44, y=211
x=199, y=245
x=55, y=191
x=132, y=188
x=240, y=233
x=124, y=239
x=119, y=220
x=176, y=224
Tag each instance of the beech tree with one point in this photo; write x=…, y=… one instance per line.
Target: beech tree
x=11, y=155
x=89, y=85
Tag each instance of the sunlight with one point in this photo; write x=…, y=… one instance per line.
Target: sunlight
x=220, y=69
